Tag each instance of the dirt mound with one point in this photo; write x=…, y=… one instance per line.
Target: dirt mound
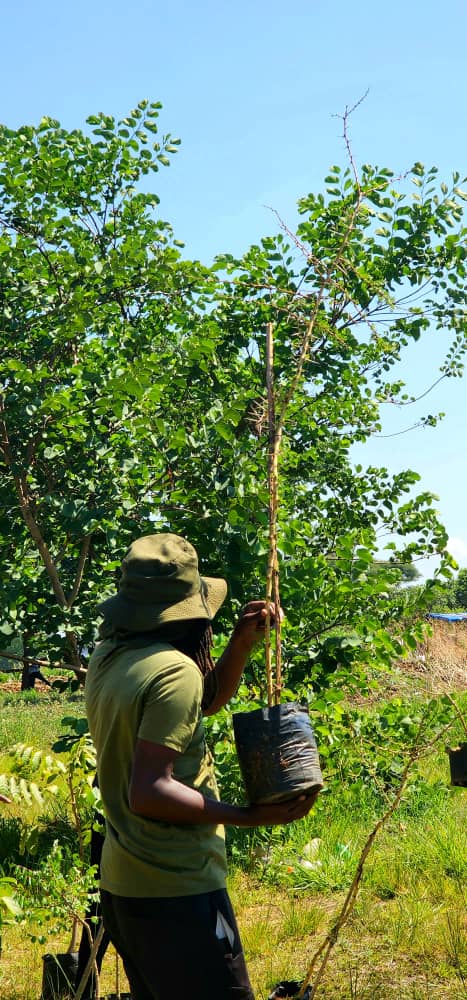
x=12, y=687
x=442, y=658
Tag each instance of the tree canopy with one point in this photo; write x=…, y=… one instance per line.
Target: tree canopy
x=459, y=588
x=132, y=389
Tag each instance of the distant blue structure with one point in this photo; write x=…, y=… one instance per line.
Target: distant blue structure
x=459, y=616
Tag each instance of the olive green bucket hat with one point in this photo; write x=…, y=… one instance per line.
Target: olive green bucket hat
x=161, y=583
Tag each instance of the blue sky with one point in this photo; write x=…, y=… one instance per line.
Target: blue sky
x=253, y=90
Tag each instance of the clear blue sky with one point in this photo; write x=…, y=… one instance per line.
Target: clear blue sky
x=252, y=88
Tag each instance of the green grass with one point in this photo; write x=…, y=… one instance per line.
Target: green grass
x=34, y=717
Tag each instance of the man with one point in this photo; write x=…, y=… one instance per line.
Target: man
x=163, y=866
x=32, y=675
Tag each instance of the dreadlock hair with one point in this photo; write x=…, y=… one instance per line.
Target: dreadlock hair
x=196, y=642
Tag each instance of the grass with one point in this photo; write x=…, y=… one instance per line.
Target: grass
x=33, y=716
x=407, y=937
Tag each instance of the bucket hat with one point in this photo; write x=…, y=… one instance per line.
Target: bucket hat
x=161, y=583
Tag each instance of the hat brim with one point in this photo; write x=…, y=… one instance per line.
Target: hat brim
x=139, y=617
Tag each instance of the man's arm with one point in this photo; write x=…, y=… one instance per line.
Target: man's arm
x=229, y=668
x=156, y=794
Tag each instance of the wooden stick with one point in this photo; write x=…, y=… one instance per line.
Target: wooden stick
x=117, y=975
x=272, y=578
x=270, y=567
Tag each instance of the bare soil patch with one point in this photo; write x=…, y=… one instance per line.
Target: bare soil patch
x=441, y=661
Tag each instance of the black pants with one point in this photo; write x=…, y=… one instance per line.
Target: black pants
x=170, y=948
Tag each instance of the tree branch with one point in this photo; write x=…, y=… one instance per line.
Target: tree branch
x=330, y=940
x=51, y=664
x=85, y=544
x=24, y=497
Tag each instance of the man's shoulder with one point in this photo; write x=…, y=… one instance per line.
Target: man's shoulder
x=151, y=658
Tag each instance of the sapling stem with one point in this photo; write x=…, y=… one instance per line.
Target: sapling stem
x=458, y=712
x=272, y=577
x=326, y=946
x=117, y=975
x=92, y=962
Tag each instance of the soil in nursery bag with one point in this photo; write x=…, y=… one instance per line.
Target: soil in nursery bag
x=58, y=976
x=277, y=753
x=289, y=988
x=458, y=765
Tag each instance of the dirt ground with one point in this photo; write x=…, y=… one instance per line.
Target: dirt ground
x=12, y=687
x=442, y=659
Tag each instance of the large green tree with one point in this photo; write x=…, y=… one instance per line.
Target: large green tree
x=459, y=589
x=133, y=395
x=93, y=293
x=374, y=265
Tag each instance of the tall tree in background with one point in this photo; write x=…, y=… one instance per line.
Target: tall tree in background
x=459, y=589
x=374, y=264
x=93, y=293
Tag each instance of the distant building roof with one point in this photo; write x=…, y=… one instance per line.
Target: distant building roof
x=455, y=616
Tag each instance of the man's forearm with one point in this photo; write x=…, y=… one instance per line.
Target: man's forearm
x=169, y=801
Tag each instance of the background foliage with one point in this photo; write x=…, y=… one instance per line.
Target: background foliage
x=132, y=392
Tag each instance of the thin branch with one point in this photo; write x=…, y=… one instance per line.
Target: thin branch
x=293, y=236
x=51, y=664
x=345, y=119
x=85, y=545
x=91, y=963
x=416, y=399
x=272, y=576
x=406, y=430
x=458, y=712
x=18, y=228
x=330, y=940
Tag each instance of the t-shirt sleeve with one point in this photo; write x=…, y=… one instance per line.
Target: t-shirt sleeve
x=172, y=706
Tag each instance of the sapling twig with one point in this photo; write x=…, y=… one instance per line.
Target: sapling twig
x=458, y=712
x=277, y=413
x=272, y=577
x=326, y=946
x=117, y=975
x=91, y=963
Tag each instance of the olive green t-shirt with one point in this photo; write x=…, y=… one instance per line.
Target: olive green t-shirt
x=153, y=693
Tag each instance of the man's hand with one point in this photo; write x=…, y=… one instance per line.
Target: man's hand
x=280, y=813
x=156, y=794
x=229, y=668
x=4, y=798
x=252, y=622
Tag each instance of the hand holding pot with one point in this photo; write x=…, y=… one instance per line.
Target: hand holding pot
x=230, y=666
x=281, y=813
x=252, y=622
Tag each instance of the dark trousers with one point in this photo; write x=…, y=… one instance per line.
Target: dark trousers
x=170, y=949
